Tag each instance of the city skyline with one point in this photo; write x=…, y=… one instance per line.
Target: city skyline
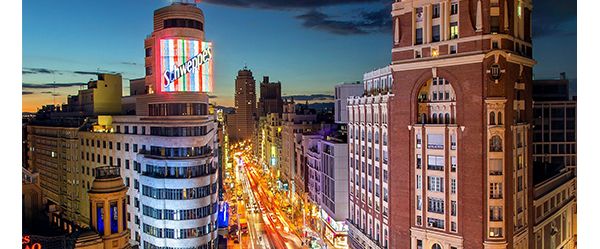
x=72, y=55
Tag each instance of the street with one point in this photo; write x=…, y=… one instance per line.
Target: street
x=267, y=226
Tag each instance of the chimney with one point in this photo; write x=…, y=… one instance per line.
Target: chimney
x=266, y=79
x=563, y=76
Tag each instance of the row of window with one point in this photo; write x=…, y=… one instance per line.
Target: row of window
x=180, y=172
x=180, y=151
x=177, y=109
x=210, y=245
x=179, y=233
x=188, y=214
x=179, y=194
x=178, y=131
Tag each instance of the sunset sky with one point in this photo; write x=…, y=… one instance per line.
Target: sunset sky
x=308, y=45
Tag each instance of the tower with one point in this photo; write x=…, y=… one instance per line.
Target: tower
x=460, y=132
x=108, y=208
x=245, y=104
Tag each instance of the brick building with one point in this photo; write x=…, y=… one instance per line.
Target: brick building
x=461, y=125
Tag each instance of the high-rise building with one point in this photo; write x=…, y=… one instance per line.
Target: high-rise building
x=342, y=92
x=554, y=129
x=368, y=174
x=243, y=122
x=270, y=100
x=166, y=152
x=460, y=125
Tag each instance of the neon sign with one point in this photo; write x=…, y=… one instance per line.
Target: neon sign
x=28, y=245
x=185, y=65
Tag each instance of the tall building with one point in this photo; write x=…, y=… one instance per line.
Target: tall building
x=243, y=121
x=554, y=129
x=166, y=152
x=460, y=125
x=342, y=92
x=270, y=100
x=368, y=174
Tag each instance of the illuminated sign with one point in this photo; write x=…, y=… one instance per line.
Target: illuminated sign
x=185, y=65
x=28, y=245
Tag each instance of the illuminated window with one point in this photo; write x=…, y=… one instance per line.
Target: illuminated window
x=453, y=30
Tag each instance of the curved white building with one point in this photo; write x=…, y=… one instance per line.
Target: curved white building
x=167, y=150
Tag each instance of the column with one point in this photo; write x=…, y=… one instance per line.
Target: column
x=93, y=215
x=106, y=218
x=120, y=215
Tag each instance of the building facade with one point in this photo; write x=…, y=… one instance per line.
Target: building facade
x=461, y=121
x=243, y=122
x=166, y=153
x=270, y=100
x=342, y=92
x=554, y=130
x=368, y=149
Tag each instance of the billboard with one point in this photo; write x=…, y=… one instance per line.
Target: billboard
x=185, y=65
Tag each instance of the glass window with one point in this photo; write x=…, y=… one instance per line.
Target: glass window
x=435, y=33
x=453, y=30
x=419, y=36
x=435, y=11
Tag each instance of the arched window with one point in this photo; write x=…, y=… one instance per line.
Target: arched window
x=434, y=118
x=496, y=144
x=447, y=118
x=441, y=118
x=385, y=138
x=350, y=132
x=423, y=118
x=436, y=246
x=500, y=118
x=370, y=136
x=492, y=118
x=376, y=137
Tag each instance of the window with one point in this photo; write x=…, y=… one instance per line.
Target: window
x=453, y=30
x=452, y=49
x=126, y=146
x=148, y=52
x=417, y=53
x=453, y=186
x=436, y=11
x=435, y=163
x=453, y=164
x=135, y=148
x=418, y=141
x=453, y=8
x=419, y=161
x=494, y=24
x=495, y=232
x=496, y=144
x=418, y=181
x=495, y=213
x=118, y=146
x=126, y=129
x=126, y=164
x=492, y=118
x=435, y=33
x=436, y=223
x=453, y=208
x=496, y=167
x=419, y=36
x=435, y=205
x=419, y=14
x=419, y=202
x=495, y=190
x=435, y=141
x=435, y=183
x=110, y=145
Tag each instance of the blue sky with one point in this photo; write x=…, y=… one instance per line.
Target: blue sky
x=308, y=45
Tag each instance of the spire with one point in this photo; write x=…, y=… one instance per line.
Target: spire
x=478, y=20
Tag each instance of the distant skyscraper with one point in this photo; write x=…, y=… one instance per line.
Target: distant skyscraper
x=244, y=120
x=270, y=98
